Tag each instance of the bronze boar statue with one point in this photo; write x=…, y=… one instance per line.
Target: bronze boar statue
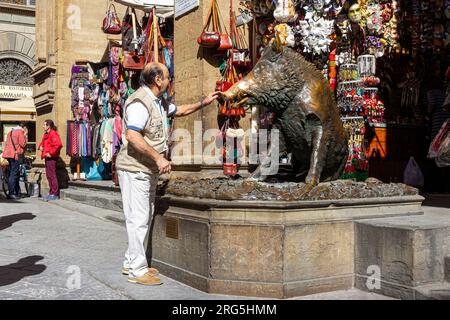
x=305, y=111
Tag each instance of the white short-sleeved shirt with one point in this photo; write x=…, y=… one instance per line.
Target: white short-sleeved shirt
x=137, y=114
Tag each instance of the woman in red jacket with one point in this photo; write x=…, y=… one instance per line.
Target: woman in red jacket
x=50, y=147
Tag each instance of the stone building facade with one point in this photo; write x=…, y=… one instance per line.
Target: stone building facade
x=17, y=61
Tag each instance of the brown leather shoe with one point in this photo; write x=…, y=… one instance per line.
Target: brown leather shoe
x=153, y=271
x=147, y=279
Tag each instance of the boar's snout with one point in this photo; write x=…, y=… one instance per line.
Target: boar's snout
x=226, y=96
x=231, y=94
x=238, y=91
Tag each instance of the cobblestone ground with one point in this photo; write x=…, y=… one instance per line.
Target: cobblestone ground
x=43, y=247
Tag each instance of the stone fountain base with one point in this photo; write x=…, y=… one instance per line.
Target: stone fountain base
x=266, y=248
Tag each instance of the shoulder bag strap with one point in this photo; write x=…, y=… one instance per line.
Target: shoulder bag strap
x=208, y=17
x=215, y=16
x=11, y=138
x=221, y=20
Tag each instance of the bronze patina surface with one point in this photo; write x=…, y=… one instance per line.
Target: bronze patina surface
x=306, y=113
x=243, y=189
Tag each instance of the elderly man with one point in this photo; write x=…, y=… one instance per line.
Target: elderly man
x=141, y=160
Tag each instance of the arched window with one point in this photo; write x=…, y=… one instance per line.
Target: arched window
x=14, y=72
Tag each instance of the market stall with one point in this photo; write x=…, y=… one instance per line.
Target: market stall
x=385, y=61
x=99, y=90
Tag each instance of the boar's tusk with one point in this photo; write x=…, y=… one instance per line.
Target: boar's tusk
x=243, y=101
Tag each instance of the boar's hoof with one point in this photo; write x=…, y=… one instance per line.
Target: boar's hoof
x=311, y=180
x=306, y=190
x=257, y=176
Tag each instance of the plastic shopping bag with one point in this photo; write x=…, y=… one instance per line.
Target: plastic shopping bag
x=90, y=169
x=413, y=175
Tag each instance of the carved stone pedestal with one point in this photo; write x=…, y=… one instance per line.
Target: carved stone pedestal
x=266, y=248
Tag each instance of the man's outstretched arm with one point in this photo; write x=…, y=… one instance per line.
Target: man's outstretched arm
x=187, y=109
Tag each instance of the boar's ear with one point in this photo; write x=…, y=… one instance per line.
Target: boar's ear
x=273, y=53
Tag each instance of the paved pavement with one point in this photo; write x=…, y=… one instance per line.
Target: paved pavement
x=43, y=249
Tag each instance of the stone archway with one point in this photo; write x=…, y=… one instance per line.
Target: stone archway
x=16, y=46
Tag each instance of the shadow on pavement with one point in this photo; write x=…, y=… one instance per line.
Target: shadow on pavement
x=161, y=206
x=3, y=199
x=25, y=267
x=8, y=221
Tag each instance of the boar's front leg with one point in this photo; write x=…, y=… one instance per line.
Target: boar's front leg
x=269, y=164
x=318, y=152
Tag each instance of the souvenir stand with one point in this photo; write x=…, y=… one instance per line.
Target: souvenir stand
x=363, y=48
x=99, y=91
x=230, y=43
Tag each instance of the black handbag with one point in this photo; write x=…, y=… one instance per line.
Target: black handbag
x=127, y=31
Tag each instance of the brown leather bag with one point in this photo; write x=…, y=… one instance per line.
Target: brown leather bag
x=133, y=61
x=210, y=39
x=225, y=42
x=111, y=22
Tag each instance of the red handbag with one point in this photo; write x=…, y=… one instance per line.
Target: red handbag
x=111, y=23
x=225, y=42
x=210, y=39
x=133, y=61
x=222, y=85
x=230, y=169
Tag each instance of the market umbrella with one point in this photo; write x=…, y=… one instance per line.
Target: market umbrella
x=164, y=8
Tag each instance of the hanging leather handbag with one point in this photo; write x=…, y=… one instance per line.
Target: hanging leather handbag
x=133, y=61
x=222, y=85
x=225, y=42
x=131, y=30
x=210, y=39
x=111, y=22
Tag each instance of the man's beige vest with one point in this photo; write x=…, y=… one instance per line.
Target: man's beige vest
x=155, y=134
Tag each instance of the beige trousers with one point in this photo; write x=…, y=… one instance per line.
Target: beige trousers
x=138, y=196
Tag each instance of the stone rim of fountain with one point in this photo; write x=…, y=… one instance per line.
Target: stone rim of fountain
x=207, y=203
